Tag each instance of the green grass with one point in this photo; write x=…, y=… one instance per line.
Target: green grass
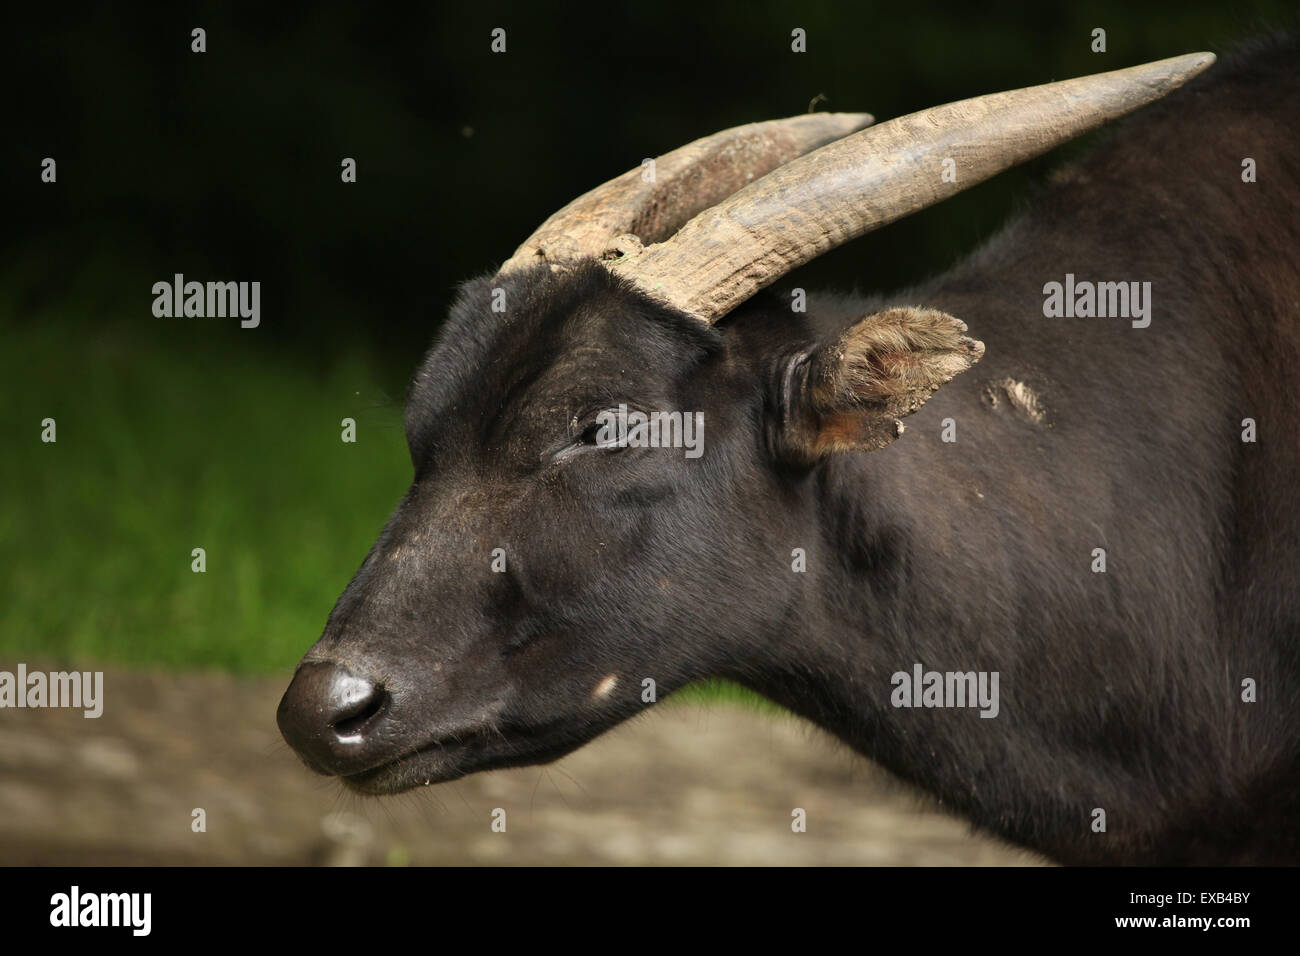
x=176, y=435
x=708, y=692
x=184, y=436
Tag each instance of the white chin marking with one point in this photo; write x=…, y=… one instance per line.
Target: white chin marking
x=605, y=687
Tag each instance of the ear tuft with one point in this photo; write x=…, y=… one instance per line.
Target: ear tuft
x=881, y=369
x=894, y=360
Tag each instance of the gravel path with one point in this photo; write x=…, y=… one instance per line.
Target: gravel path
x=685, y=784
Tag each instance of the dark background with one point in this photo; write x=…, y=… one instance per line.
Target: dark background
x=226, y=164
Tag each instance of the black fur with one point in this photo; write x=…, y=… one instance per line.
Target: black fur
x=1119, y=691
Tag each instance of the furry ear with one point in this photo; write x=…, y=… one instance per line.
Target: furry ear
x=850, y=395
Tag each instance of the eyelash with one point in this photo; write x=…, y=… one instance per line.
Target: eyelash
x=584, y=431
x=589, y=434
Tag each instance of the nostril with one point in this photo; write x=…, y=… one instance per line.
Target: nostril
x=357, y=705
x=327, y=713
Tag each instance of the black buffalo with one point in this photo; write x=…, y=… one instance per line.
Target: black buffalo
x=537, y=574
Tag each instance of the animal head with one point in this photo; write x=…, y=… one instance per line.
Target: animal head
x=606, y=471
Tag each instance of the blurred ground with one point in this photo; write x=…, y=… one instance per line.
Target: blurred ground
x=686, y=784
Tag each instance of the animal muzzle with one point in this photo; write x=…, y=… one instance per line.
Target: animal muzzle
x=335, y=719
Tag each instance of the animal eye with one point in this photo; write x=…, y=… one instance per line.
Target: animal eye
x=600, y=434
x=593, y=435
x=598, y=431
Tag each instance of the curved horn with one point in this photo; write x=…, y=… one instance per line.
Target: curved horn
x=685, y=181
x=867, y=180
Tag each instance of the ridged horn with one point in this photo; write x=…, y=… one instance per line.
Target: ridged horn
x=728, y=252
x=686, y=181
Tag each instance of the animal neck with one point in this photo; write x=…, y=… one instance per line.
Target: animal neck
x=907, y=649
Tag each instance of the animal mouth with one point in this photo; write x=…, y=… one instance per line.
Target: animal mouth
x=440, y=761
x=450, y=758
